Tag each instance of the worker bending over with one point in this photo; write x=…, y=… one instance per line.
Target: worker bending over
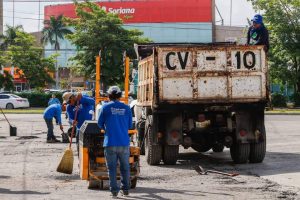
x=85, y=106
x=52, y=111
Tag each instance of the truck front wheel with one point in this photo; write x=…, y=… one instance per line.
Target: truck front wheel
x=153, y=152
x=141, y=136
x=170, y=154
x=240, y=152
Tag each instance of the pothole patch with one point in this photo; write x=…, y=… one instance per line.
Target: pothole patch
x=26, y=137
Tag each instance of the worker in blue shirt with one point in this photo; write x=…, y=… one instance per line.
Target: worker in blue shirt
x=116, y=119
x=52, y=111
x=53, y=100
x=85, y=105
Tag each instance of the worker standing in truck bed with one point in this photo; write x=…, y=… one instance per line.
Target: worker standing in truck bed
x=258, y=34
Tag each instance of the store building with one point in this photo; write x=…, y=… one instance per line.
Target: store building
x=163, y=21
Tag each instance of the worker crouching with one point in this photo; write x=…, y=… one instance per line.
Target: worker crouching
x=116, y=119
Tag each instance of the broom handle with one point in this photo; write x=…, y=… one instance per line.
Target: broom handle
x=73, y=128
x=5, y=116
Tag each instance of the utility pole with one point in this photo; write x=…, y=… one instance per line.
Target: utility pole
x=13, y=13
x=230, y=12
x=39, y=21
x=1, y=16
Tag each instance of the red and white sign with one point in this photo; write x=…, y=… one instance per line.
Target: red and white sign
x=151, y=11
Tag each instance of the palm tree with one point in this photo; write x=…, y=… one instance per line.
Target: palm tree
x=54, y=30
x=8, y=38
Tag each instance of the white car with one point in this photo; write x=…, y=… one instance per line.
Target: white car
x=11, y=101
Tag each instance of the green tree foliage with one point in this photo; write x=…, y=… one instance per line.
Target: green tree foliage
x=283, y=20
x=7, y=39
x=21, y=52
x=97, y=30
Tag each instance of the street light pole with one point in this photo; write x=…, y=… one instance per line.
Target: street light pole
x=39, y=21
x=13, y=13
x=230, y=12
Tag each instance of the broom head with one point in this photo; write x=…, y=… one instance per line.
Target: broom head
x=66, y=164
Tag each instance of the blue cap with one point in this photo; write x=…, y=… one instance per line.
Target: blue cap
x=257, y=19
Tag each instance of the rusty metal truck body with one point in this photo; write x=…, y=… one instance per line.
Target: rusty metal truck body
x=202, y=96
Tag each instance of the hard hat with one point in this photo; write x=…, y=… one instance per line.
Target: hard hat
x=66, y=96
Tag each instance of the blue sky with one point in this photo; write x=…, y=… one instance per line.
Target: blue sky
x=30, y=10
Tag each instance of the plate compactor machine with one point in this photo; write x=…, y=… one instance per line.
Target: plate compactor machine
x=91, y=151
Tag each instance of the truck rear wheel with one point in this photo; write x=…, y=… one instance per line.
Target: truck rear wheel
x=153, y=152
x=170, y=154
x=258, y=150
x=240, y=152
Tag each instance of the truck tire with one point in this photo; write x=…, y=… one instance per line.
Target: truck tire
x=170, y=154
x=258, y=150
x=218, y=148
x=200, y=148
x=153, y=152
x=240, y=152
x=141, y=137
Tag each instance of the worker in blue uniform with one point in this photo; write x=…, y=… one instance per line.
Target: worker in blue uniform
x=85, y=106
x=52, y=111
x=116, y=119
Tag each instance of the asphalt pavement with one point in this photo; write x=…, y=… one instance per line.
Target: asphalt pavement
x=28, y=168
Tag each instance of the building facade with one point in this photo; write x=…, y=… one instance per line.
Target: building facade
x=162, y=21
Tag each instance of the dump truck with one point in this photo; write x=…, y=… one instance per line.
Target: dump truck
x=203, y=96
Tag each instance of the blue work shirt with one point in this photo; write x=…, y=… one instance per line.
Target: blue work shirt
x=53, y=101
x=86, y=104
x=116, y=119
x=53, y=111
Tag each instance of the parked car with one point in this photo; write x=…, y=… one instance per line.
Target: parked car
x=11, y=101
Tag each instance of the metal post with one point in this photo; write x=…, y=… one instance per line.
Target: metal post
x=126, y=79
x=13, y=13
x=1, y=16
x=39, y=21
x=230, y=12
x=97, y=84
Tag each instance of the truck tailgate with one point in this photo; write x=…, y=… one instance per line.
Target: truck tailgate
x=221, y=74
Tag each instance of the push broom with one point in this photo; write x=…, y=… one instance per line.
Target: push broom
x=66, y=164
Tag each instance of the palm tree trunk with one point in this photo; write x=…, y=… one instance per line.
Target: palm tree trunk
x=56, y=65
x=56, y=73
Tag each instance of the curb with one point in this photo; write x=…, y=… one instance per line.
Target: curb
x=282, y=113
